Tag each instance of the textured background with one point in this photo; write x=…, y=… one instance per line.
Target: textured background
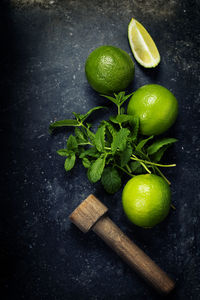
x=44, y=47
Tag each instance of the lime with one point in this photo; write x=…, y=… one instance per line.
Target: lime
x=156, y=107
x=142, y=45
x=109, y=69
x=146, y=200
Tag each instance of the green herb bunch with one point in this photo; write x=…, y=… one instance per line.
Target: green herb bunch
x=114, y=149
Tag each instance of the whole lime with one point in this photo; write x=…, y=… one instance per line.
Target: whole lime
x=146, y=200
x=156, y=107
x=109, y=69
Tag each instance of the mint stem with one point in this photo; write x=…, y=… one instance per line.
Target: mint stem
x=84, y=144
x=128, y=168
x=133, y=157
x=173, y=207
x=118, y=109
x=145, y=167
x=162, y=175
x=124, y=170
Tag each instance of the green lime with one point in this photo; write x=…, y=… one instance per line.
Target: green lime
x=146, y=200
x=156, y=107
x=109, y=69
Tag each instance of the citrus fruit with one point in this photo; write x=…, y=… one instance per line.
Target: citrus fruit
x=142, y=45
x=146, y=200
x=156, y=107
x=109, y=69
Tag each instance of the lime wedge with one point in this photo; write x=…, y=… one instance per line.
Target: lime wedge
x=142, y=45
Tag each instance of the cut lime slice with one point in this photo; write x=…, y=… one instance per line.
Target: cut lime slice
x=142, y=45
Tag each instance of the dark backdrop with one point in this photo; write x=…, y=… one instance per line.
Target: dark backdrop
x=43, y=50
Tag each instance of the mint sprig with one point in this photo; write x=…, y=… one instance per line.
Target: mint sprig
x=115, y=149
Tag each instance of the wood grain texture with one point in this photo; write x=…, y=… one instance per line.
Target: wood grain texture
x=88, y=213
x=133, y=255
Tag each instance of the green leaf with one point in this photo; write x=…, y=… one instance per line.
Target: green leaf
x=72, y=143
x=86, y=162
x=69, y=162
x=80, y=136
x=120, y=140
x=135, y=124
x=77, y=116
x=156, y=157
x=136, y=167
x=125, y=155
x=109, y=159
x=63, y=152
x=89, y=125
x=90, y=134
x=96, y=169
x=156, y=146
x=110, y=132
x=99, y=139
x=62, y=123
x=120, y=95
x=90, y=152
x=110, y=128
x=113, y=120
x=119, y=119
x=122, y=110
x=119, y=99
x=142, y=143
x=125, y=98
x=114, y=100
x=84, y=117
x=88, y=175
x=111, y=180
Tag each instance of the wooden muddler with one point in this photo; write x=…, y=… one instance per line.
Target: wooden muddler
x=90, y=214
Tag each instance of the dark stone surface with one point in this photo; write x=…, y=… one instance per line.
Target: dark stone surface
x=44, y=48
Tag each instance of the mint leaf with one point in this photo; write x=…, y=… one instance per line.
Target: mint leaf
x=90, y=134
x=86, y=162
x=85, y=116
x=125, y=98
x=110, y=132
x=142, y=143
x=110, y=128
x=63, y=152
x=158, y=148
x=159, y=144
x=80, y=136
x=69, y=162
x=109, y=159
x=122, y=110
x=119, y=99
x=72, y=143
x=77, y=116
x=88, y=175
x=99, y=139
x=119, y=119
x=111, y=180
x=125, y=155
x=120, y=139
x=96, y=169
x=156, y=157
x=135, y=124
x=114, y=100
x=90, y=152
x=136, y=167
x=120, y=95
x=89, y=125
x=62, y=123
